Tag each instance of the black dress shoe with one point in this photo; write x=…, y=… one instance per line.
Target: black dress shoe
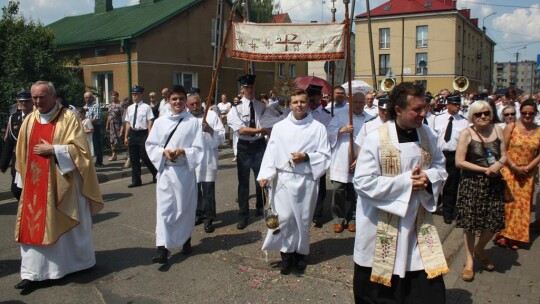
x=447, y=221
x=300, y=261
x=317, y=223
x=209, y=227
x=24, y=284
x=286, y=263
x=242, y=224
x=198, y=221
x=162, y=256
x=186, y=249
x=134, y=185
x=259, y=212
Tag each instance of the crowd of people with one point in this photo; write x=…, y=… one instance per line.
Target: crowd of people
x=393, y=159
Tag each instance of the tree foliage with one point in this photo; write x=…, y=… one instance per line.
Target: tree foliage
x=27, y=54
x=261, y=11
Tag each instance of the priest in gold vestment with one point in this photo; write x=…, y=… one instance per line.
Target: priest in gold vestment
x=60, y=192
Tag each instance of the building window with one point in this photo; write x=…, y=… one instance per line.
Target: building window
x=384, y=38
x=103, y=83
x=292, y=70
x=384, y=64
x=422, y=36
x=186, y=79
x=281, y=69
x=421, y=64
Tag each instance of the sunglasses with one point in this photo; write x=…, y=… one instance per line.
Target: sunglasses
x=528, y=114
x=479, y=114
x=509, y=114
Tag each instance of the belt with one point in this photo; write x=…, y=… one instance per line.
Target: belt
x=139, y=131
x=449, y=152
x=251, y=142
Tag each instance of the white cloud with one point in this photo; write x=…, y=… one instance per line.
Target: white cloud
x=522, y=22
x=477, y=8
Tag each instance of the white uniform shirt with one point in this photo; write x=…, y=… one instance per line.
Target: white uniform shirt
x=344, y=107
x=144, y=115
x=368, y=127
x=238, y=117
x=373, y=110
x=439, y=126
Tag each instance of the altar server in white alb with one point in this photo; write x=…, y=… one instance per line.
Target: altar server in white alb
x=397, y=252
x=206, y=172
x=341, y=167
x=298, y=154
x=175, y=146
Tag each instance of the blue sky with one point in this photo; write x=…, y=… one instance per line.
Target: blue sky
x=515, y=26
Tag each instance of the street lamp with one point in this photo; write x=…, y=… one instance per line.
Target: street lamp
x=483, y=27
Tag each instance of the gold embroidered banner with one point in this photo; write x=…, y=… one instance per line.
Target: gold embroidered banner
x=287, y=42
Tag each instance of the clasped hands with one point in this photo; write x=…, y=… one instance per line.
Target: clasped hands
x=172, y=155
x=419, y=178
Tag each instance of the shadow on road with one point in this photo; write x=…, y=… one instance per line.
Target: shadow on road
x=100, y=217
x=9, y=208
x=9, y=267
x=458, y=296
x=329, y=249
x=115, y=196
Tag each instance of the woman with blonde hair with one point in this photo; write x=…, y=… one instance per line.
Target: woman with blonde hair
x=481, y=154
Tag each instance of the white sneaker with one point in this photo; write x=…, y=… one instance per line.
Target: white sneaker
x=233, y=160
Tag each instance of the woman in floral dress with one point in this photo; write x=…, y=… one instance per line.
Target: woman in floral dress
x=523, y=140
x=114, y=123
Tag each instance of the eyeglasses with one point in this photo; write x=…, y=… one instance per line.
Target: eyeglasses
x=509, y=114
x=479, y=114
x=528, y=114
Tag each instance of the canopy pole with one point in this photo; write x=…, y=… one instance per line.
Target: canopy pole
x=218, y=64
x=352, y=155
x=333, y=64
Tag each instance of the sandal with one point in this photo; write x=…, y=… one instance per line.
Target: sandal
x=502, y=242
x=467, y=275
x=513, y=245
x=484, y=260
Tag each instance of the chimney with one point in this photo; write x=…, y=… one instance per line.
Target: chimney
x=454, y=3
x=144, y=2
x=103, y=6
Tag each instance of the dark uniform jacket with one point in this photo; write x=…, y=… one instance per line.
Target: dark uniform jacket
x=7, y=157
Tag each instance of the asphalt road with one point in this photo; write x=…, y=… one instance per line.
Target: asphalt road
x=226, y=266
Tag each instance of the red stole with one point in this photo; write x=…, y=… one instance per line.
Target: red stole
x=36, y=184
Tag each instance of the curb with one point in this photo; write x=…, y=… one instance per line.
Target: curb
x=121, y=173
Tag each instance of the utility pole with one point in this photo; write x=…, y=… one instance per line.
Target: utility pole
x=333, y=63
x=370, y=34
x=217, y=43
x=517, y=59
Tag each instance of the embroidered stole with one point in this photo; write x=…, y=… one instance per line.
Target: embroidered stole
x=388, y=224
x=36, y=184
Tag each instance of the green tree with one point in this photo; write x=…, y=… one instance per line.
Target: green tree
x=261, y=11
x=27, y=54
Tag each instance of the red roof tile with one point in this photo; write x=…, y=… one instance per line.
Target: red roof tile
x=399, y=7
x=281, y=18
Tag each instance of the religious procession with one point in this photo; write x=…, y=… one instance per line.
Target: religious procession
x=389, y=163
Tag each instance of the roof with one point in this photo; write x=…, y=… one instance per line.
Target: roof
x=281, y=18
x=400, y=7
x=119, y=23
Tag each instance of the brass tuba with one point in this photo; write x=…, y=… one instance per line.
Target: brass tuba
x=387, y=84
x=461, y=83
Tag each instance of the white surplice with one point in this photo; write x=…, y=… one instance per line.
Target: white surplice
x=206, y=171
x=74, y=251
x=394, y=195
x=339, y=167
x=368, y=127
x=294, y=188
x=176, y=189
